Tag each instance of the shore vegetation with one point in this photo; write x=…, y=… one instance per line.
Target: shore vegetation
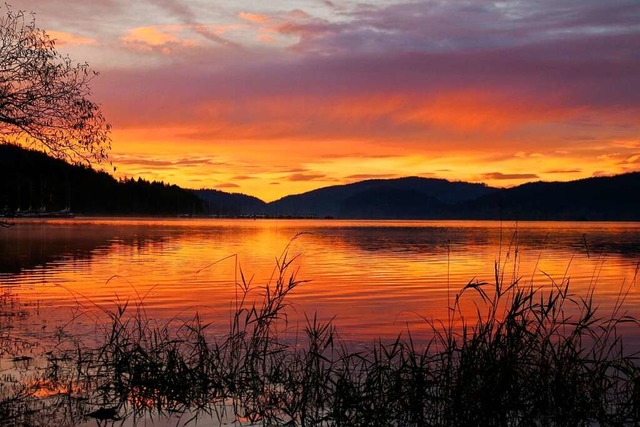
x=523, y=355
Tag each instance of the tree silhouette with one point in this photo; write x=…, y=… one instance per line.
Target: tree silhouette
x=44, y=96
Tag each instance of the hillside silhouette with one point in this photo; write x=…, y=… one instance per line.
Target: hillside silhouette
x=410, y=197
x=615, y=198
x=612, y=198
x=32, y=181
x=220, y=203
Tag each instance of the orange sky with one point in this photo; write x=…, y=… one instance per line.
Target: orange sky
x=274, y=99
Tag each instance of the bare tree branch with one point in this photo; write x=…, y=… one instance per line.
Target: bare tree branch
x=44, y=96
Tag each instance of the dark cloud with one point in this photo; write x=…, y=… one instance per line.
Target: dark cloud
x=508, y=176
x=561, y=171
x=594, y=75
x=305, y=177
x=159, y=164
x=227, y=185
x=360, y=155
x=198, y=162
x=142, y=162
x=296, y=170
x=461, y=26
x=362, y=176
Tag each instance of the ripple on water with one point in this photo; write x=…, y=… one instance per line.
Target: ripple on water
x=367, y=274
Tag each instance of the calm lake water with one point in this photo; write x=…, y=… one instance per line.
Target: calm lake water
x=374, y=278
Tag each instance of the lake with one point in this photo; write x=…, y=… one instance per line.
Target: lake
x=375, y=279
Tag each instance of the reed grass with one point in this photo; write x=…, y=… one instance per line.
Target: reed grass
x=526, y=355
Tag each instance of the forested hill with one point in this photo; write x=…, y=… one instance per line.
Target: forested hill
x=615, y=198
x=30, y=180
x=410, y=197
x=216, y=202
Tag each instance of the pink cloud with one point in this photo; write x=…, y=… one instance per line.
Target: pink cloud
x=443, y=78
x=63, y=38
x=255, y=18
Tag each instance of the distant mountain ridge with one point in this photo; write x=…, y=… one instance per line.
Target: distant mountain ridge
x=614, y=198
x=221, y=203
x=31, y=180
x=410, y=197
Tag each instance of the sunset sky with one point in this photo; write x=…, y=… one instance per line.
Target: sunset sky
x=271, y=98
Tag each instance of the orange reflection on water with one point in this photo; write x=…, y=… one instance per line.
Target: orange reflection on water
x=49, y=388
x=374, y=278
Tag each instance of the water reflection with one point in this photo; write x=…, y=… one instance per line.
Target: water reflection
x=375, y=277
x=49, y=245
x=30, y=245
x=614, y=240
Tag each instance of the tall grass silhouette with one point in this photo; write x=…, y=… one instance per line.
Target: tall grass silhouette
x=509, y=353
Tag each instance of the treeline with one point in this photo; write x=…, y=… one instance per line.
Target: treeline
x=613, y=198
x=220, y=203
x=33, y=181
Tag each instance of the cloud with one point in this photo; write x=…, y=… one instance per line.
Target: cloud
x=363, y=176
x=509, y=176
x=256, y=18
x=305, y=177
x=196, y=161
x=361, y=155
x=402, y=85
x=128, y=160
x=266, y=39
x=161, y=38
x=459, y=26
x=227, y=185
x=563, y=171
x=633, y=159
x=151, y=36
x=391, y=94
x=185, y=14
x=63, y=38
x=162, y=163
